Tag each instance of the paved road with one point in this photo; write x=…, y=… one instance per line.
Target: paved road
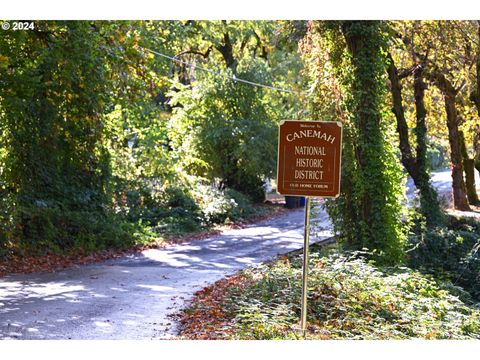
x=442, y=180
x=131, y=298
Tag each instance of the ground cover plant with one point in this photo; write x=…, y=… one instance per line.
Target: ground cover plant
x=450, y=253
x=349, y=298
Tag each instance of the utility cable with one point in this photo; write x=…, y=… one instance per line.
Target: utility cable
x=234, y=78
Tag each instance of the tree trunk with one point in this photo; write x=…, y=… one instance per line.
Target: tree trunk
x=428, y=195
x=476, y=136
x=460, y=201
x=459, y=192
x=378, y=224
x=415, y=166
x=476, y=146
x=419, y=87
x=226, y=49
x=402, y=128
x=468, y=165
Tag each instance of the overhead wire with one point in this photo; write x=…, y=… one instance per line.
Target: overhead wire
x=233, y=78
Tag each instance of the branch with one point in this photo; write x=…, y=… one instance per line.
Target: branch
x=264, y=53
x=407, y=72
x=465, y=35
x=460, y=87
x=435, y=75
x=227, y=51
x=407, y=158
x=196, y=52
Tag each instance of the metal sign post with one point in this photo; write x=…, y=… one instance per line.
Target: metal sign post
x=309, y=163
x=306, y=238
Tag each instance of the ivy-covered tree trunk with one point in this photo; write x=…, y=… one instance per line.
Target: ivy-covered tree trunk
x=469, y=168
x=408, y=160
x=429, y=196
x=476, y=99
x=460, y=201
x=476, y=146
x=415, y=165
x=375, y=178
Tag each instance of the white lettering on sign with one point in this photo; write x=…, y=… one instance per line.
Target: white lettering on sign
x=309, y=150
x=312, y=163
x=310, y=134
x=308, y=175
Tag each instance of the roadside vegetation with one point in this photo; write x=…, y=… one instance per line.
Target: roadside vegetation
x=118, y=135
x=106, y=146
x=434, y=296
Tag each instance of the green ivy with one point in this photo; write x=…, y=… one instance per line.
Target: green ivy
x=56, y=168
x=224, y=130
x=369, y=212
x=349, y=298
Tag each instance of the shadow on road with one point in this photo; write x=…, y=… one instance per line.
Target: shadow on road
x=131, y=297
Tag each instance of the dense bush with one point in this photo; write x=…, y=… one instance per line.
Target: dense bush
x=150, y=216
x=54, y=165
x=186, y=208
x=5, y=222
x=348, y=299
x=450, y=253
x=223, y=206
x=42, y=230
x=224, y=130
x=175, y=212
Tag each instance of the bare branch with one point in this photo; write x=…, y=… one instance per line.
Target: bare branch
x=460, y=87
x=403, y=73
x=465, y=35
x=196, y=52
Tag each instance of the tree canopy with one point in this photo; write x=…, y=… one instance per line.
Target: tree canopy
x=116, y=132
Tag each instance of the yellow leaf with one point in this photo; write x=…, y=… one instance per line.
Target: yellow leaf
x=4, y=61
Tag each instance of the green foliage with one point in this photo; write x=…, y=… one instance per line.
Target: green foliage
x=223, y=129
x=187, y=207
x=74, y=100
x=368, y=212
x=46, y=230
x=55, y=169
x=51, y=115
x=450, y=253
x=224, y=206
x=173, y=211
x=349, y=298
x=437, y=155
x=88, y=142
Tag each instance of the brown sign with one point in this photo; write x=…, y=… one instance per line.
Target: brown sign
x=309, y=158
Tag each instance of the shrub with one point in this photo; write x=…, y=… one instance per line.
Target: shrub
x=54, y=229
x=450, y=253
x=191, y=207
x=169, y=211
x=223, y=206
x=349, y=298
